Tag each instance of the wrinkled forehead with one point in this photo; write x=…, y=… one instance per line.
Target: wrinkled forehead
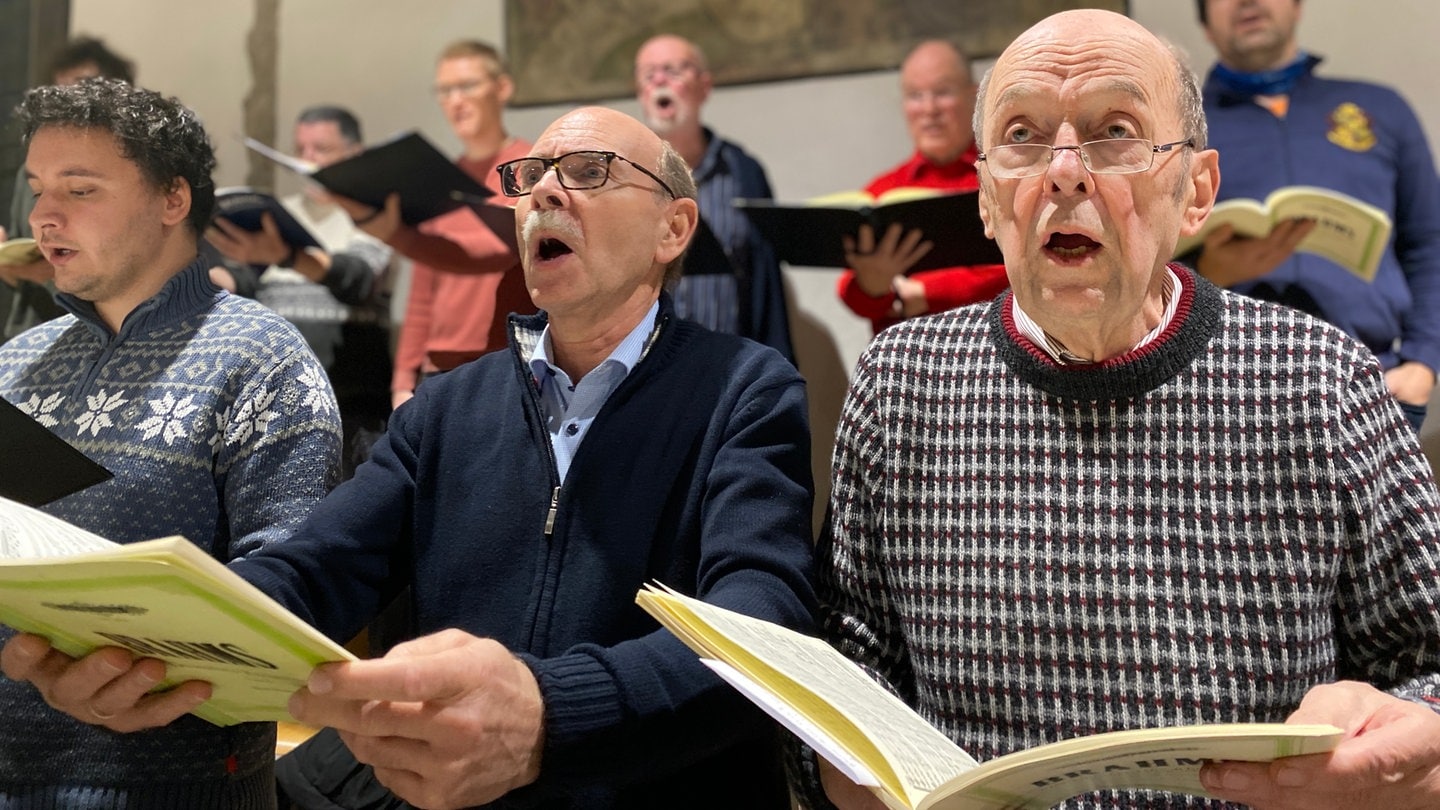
x=1050, y=77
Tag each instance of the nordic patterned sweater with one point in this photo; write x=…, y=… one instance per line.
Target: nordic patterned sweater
x=1199, y=531
x=219, y=425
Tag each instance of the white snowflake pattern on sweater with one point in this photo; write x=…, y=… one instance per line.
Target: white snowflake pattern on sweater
x=169, y=418
x=97, y=411
x=317, y=391
x=42, y=410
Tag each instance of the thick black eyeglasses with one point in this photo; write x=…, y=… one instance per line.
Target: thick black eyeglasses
x=1110, y=156
x=576, y=171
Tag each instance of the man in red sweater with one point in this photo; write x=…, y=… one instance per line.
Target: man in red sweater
x=938, y=100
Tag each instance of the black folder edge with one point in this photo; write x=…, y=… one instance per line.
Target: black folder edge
x=244, y=207
x=429, y=183
x=802, y=237
x=40, y=467
x=705, y=255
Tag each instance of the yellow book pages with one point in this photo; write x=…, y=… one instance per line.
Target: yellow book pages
x=1350, y=232
x=1165, y=759
x=164, y=599
x=859, y=198
x=915, y=766
x=20, y=251
x=908, y=757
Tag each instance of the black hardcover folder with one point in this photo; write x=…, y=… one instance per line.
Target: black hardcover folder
x=245, y=206
x=40, y=467
x=809, y=235
x=429, y=184
x=705, y=255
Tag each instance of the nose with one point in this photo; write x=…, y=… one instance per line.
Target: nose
x=45, y=214
x=547, y=193
x=1067, y=172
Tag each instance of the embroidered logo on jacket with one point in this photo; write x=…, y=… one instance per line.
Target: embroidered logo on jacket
x=1350, y=128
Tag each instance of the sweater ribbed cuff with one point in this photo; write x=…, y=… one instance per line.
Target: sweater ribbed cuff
x=580, y=696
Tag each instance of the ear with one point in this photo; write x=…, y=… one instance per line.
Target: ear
x=176, y=202
x=682, y=216
x=707, y=83
x=505, y=89
x=1204, y=185
x=987, y=199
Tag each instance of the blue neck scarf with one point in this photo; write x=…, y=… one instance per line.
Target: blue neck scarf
x=1276, y=82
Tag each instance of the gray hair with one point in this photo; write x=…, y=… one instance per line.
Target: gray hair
x=676, y=174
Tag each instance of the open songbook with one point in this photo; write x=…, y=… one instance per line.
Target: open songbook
x=164, y=599
x=1349, y=232
x=878, y=741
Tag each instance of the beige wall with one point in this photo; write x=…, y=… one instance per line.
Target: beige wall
x=814, y=136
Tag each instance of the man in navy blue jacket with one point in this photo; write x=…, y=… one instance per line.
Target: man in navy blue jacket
x=1275, y=123
x=538, y=682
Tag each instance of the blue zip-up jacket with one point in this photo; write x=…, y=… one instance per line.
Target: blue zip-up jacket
x=695, y=473
x=1363, y=140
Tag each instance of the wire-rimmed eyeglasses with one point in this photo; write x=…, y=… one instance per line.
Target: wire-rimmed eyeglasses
x=575, y=170
x=1108, y=156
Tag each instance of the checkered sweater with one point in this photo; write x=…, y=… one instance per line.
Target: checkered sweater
x=219, y=425
x=1199, y=531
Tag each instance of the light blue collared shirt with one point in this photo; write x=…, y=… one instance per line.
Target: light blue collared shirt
x=568, y=407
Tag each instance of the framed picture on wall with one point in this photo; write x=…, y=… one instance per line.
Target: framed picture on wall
x=584, y=50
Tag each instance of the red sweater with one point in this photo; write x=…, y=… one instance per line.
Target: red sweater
x=945, y=288
x=464, y=281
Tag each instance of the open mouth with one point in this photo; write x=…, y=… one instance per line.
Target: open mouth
x=551, y=248
x=1071, y=245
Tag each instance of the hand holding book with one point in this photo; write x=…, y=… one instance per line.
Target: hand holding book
x=812, y=234
x=828, y=701
x=159, y=599
x=1347, y=231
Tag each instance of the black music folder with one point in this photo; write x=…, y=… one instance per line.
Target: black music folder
x=429, y=184
x=39, y=467
x=809, y=234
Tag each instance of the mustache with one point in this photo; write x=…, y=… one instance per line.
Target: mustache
x=562, y=226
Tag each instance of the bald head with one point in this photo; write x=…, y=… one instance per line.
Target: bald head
x=619, y=132
x=1077, y=40
x=939, y=55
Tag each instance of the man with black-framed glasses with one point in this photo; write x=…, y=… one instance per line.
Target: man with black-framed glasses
x=1118, y=497
x=526, y=497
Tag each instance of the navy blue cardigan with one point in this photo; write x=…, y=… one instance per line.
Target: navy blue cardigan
x=696, y=473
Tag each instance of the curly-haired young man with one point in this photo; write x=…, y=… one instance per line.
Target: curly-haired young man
x=213, y=414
